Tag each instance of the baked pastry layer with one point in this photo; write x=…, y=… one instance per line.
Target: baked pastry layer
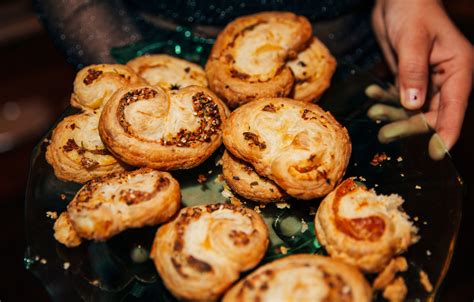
x=298, y=145
x=94, y=84
x=165, y=130
x=243, y=179
x=76, y=151
x=248, y=59
x=111, y=204
x=168, y=72
x=362, y=228
x=302, y=277
x=205, y=248
x=313, y=69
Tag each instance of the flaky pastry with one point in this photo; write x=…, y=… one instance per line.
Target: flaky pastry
x=302, y=277
x=165, y=130
x=205, y=248
x=248, y=59
x=313, y=69
x=243, y=179
x=76, y=151
x=111, y=204
x=362, y=228
x=168, y=72
x=94, y=84
x=298, y=145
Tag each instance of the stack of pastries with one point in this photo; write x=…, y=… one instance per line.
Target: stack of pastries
x=156, y=114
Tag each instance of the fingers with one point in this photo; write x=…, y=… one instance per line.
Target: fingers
x=454, y=95
x=413, y=50
x=416, y=124
x=381, y=112
x=376, y=92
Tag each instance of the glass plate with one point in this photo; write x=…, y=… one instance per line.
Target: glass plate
x=117, y=270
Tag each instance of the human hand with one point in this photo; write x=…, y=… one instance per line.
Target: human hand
x=432, y=60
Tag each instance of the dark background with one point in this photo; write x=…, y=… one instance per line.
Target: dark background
x=35, y=85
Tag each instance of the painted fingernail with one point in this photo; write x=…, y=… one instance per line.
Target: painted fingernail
x=413, y=97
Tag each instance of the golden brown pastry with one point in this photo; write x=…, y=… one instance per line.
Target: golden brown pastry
x=76, y=151
x=243, y=179
x=302, y=277
x=205, y=248
x=362, y=228
x=313, y=69
x=64, y=232
x=111, y=204
x=94, y=84
x=168, y=72
x=165, y=130
x=248, y=59
x=298, y=145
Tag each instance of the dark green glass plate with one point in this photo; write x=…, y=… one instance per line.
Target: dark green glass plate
x=117, y=271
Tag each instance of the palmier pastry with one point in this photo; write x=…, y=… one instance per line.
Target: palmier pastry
x=362, y=228
x=205, y=248
x=243, y=179
x=298, y=145
x=111, y=204
x=64, y=232
x=248, y=59
x=94, y=84
x=313, y=69
x=148, y=126
x=302, y=277
x=76, y=151
x=168, y=72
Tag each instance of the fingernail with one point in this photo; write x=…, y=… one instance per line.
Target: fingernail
x=436, y=148
x=413, y=98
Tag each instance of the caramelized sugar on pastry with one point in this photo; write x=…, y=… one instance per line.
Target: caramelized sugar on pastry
x=148, y=126
x=243, y=179
x=298, y=145
x=248, y=60
x=111, y=204
x=76, y=151
x=168, y=72
x=362, y=228
x=302, y=277
x=313, y=69
x=205, y=248
x=94, y=84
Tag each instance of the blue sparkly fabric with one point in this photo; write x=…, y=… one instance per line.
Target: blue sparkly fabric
x=87, y=30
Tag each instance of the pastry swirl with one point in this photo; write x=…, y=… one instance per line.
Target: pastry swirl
x=248, y=59
x=362, y=228
x=205, y=248
x=168, y=72
x=165, y=130
x=94, y=84
x=243, y=179
x=313, y=69
x=111, y=204
x=76, y=151
x=302, y=277
x=298, y=145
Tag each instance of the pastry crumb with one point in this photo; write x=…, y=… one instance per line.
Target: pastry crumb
x=416, y=218
x=66, y=265
x=361, y=178
x=43, y=261
x=226, y=192
x=201, y=178
x=257, y=209
x=62, y=196
x=425, y=222
x=304, y=226
x=418, y=187
x=95, y=282
x=262, y=206
x=399, y=159
x=386, y=276
x=313, y=211
x=396, y=291
x=209, y=172
x=235, y=201
x=402, y=175
x=52, y=215
x=282, y=205
x=376, y=185
x=428, y=253
x=283, y=250
x=425, y=281
x=379, y=158
x=219, y=178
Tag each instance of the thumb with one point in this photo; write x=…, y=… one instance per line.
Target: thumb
x=413, y=52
